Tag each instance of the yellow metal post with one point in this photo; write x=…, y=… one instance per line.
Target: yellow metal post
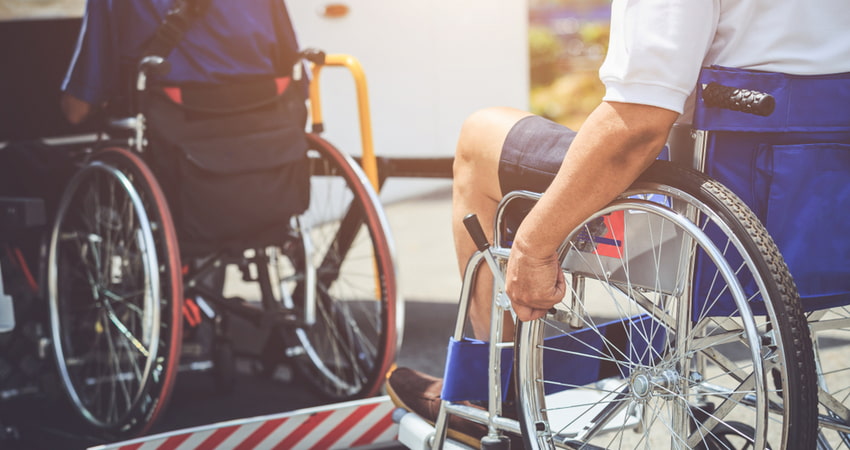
x=368, y=160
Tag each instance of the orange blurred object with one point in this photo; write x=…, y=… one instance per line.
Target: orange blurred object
x=335, y=10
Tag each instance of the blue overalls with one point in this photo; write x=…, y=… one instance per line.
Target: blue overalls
x=230, y=41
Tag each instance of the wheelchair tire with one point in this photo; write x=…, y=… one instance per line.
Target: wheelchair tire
x=350, y=346
x=115, y=295
x=652, y=350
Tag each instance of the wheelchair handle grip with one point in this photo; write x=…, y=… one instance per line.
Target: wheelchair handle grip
x=313, y=55
x=736, y=99
x=473, y=226
x=154, y=64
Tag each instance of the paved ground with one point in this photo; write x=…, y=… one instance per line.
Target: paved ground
x=429, y=277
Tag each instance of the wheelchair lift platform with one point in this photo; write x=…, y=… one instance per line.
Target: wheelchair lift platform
x=364, y=424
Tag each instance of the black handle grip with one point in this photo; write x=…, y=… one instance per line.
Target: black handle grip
x=313, y=55
x=473, y=226
x=744, y=100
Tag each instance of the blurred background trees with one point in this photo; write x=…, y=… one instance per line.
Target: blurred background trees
x=567, y=41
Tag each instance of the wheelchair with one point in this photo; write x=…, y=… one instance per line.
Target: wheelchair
x=682, y=326
x=117, y=278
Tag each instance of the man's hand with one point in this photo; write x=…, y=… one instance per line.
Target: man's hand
x=533, y=284
x=74, y=109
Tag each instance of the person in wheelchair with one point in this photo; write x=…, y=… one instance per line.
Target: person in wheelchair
x=223, y=113
x=655, y=54
x=229, y=42
x=219, y=153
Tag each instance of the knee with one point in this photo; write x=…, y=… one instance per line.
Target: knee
x=475, y=143
x=474, y=131
x=480, y=145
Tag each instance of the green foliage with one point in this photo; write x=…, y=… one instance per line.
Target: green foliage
x=565, y=86
x=544, y=50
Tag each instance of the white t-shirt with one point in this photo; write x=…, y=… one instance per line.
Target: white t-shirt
x=657, y=47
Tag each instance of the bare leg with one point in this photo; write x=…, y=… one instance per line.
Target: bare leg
x=476, y=190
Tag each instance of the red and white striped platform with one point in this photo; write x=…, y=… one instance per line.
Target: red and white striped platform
x=342, y=425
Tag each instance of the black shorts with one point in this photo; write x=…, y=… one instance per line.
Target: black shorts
x=532, y=154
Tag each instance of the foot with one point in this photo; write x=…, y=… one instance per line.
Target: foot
x=420, y=393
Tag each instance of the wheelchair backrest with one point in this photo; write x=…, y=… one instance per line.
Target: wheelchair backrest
x=791, y=167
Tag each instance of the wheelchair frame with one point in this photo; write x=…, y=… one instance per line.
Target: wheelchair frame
x=772, y=388
x=118, y=356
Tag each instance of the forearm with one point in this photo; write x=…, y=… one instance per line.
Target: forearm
x=614, y=146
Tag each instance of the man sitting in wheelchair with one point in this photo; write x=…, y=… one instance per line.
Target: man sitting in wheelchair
x=224, y=116
x=655, y=55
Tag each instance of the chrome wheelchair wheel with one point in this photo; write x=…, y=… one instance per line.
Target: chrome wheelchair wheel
x=115, y=294
x=343, y=280
x=682, y=328
x=830, y=330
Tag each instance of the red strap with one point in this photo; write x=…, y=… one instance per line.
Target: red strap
x=174, y=93
x=282, y=83
x=191, y=312
x=25, y=268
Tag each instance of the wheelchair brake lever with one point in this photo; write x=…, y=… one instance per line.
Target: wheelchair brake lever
x=473, y=227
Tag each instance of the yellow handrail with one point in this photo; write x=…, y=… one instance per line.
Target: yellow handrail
x=368, y=160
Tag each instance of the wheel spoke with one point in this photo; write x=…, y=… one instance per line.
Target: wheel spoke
x=661, y=302
x=112, y=240
x=349, y=348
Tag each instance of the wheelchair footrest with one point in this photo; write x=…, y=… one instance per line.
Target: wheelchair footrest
x=415, y=432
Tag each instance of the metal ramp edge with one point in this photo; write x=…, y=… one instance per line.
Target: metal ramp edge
x=359, y=423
